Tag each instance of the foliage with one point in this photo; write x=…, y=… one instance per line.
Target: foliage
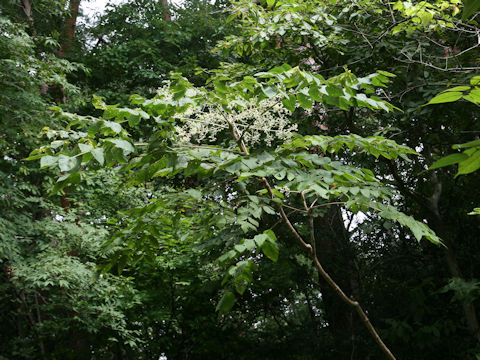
x=53, y=302
x=189, y=219
x=131, y=49
x=469, y=160
x=291, y=170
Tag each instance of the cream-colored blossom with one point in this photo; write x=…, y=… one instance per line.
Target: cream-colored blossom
x=264, y=122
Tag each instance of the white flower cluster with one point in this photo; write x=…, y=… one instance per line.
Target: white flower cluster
x=255, y=122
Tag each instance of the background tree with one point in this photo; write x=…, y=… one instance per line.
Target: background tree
x=191, y=239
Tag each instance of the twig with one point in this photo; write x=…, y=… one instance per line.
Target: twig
x=312, y=228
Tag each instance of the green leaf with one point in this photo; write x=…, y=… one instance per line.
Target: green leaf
x=269, y=91
x=280, y=175
x=270, y=234
x=270, y=249
x=98, y=155
x=315, y=94
x=426, y=17
x=334, y=90
x=231, y=254
x=243, y=276
x=249, y=244
x=84, y=148
x=240, y=248
x=269, y=210
x=280, y=69
x=290, y=102
x=469, y=165
x=473, y=96
x=246, y=226
x=320, y=191
x=365, y=192
x=458, y=88
x=418, y=228
x=386, y=73
x=469, y=8
x=304, y=101
x=125, y=145
x=226, y=302
x=475, y=81
x=445, y=97
x=221, y=86
x=48, y=161
x=448, y=160
x=469, y=144
x=136, y=99
x=117, y=128
x=354, y=190
x=67, y=163
x=65, y=180
x=260, y=239
x=241, y=283
x=475, y=211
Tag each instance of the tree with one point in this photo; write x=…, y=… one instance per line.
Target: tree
x=298, y=163
x=225, y=108
x=132, y=49
x=53, y=303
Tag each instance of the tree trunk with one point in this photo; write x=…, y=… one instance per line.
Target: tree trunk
x=166, y=13
x=69, y=34
x=27, y=9
x=334, y=251
x=70, y=27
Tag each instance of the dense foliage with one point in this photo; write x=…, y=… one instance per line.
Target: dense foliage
x=290, y=179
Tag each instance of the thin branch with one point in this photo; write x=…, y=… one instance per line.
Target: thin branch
x=307, y=209
x=285, y=218
x=343, y=296
x=454, y=70
x=356, y=306
x=33, y=324
x=310, y=249
x=292, y=208
x=280, y=221
x=328, y=204
x=312, y=228
x=313, y=203
x=350, y=221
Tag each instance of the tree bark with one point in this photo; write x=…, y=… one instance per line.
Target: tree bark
x=70, y=27
x=68, y=36
x=166, y=13
x=27, y=9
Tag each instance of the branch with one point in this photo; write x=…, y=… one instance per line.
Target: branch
x=312, y=228
x=356, y=306
x=326, y=276
x=311, y=250
x=339, y=291
x=27, y=9
x=285, y=218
